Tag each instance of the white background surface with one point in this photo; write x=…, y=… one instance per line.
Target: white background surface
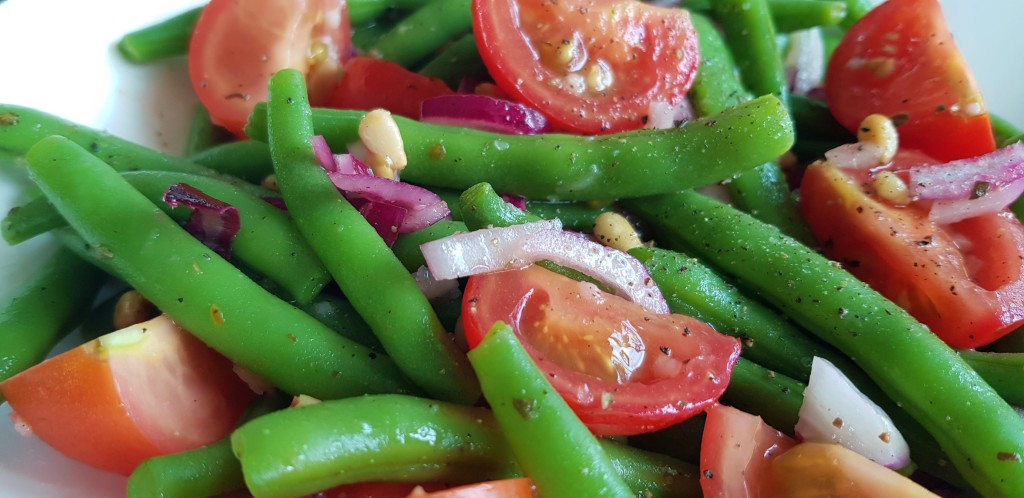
x=58, y=56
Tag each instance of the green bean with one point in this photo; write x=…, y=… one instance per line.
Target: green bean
x=695, y=290
x=1003, y=371
x=774, y=397
x=22, y=127
x=46, y=308
x=267, y=241
x=550, y=443
x=459, y=59
x=856, y=9
x=795, y=15
x=814, y=122
x=245, y=159
x=366, y=270
x=570, y=167
x=209, y=297
x=202, y=133
x=165, y=39
x=762, y=191
x=338, y=314
x=984, y=439
x=209, y=470
x=750, y=34
x=576, y=216
x=423, y=31
x=407, y=246
x=367, y=11
x=285, y=453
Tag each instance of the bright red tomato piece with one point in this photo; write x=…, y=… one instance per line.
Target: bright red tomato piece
x=900, y=60
x=622, y=369
x=965, y=280
x=592, y=66
x=146, y=390
x=368, y=84
x=736, y=454
x=238, y=44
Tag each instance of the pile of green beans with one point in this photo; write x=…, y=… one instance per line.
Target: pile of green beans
x=313, y=301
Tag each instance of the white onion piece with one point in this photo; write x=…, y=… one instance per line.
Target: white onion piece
x=805, y=61
x=518, y=246
x=992, y=202
x=662, y=115
x=956, y=179
x=834, y=411
x=480, y=251
x=432, y=288
x=858, y=155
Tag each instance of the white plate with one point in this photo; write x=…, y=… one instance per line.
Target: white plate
x=58, y=56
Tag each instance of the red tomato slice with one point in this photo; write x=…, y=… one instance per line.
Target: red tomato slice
x=622, y=369
x=736, y=453
x=375, y=490
x=238, y=44
x=900, y=60
x=368, y=84
x=965, y=281
x=520, y=487
x=592, y=66
x=146, y=390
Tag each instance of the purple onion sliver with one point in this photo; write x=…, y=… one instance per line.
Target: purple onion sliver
x=215, y=223
x=323, y=153
x=385, y=218
x=423, y=207
x=515, y=200
x=349, y=164
x=484, y=113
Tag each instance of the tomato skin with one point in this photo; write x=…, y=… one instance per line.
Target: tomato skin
x=536, y=50
x=621, y=369
x=368, y=84
x=113, y=403
x=736, y=454
x=901, y=59
x=965, y=281
x=237, y=44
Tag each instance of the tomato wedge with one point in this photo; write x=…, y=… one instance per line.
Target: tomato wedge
x=368, y=84
x=145, y=390
x=592, y=66
x=900, y=60
x=622, y=369
x=736, y=454
x=965, y=280
x=237, y=44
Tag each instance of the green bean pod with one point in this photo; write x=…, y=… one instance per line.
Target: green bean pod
x=202, y=133
x=339, y=315
x=424, y=31
x=458, y=60
x=407, y=246
x=45, y=309
x=245, y=159
x=368, y=273
x=750, y=33
x=125, y=232
x=1003, y=371
x=984, y=439
x=164, y=39
x=774, y=397
x=570, y=167
x=210, y=470
x=795, y=15
x=550, y=443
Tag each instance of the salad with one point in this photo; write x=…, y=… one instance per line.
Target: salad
x=113, y=485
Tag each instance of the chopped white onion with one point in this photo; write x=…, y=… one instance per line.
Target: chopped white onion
x=518, y=246
x=432, y=288
x=858, y=155
x=805, y=60
x=834, y=411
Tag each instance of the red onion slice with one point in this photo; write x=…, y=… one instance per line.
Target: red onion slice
x=214, y=222
x=386, y=219
x=484, y=113
x=834, y=411
x=992, y=202
x=518, y=246
x=805, y=61
x=956, y=180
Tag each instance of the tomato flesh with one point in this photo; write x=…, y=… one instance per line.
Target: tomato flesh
x=822, y=469
x=736, y=454
x=592, y=66
x=965, y=281
x=622, y=369
x=146, y=390
x=238, y=44
x=368, y=84
x=900, y=60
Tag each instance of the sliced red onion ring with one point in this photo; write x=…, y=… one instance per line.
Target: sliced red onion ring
x=518, y=246
x=516, y=200
x=805, y=61
x=214, y=222
x=834, y=411
x=956, y=180
x=484, y=113
x=411, y=207
x=992, y=202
